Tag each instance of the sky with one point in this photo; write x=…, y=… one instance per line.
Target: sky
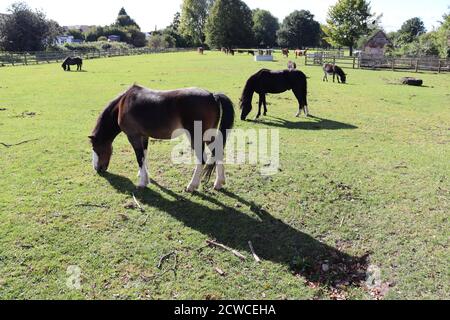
x=150, y=13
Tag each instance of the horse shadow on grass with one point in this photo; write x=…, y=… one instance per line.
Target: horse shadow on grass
x=273, y=240
x=318, y=124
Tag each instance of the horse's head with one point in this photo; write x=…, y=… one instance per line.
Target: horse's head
x=246, y=107
x=101, y=154
x=343, y=77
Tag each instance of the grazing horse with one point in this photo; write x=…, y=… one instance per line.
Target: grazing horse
x=251, y=52
x=200, y=50
x=266, y=81
x=69, y=61
x=285, y=52
x=331, y=69
x=292, y=65
x=143, y=113
x=300, y=53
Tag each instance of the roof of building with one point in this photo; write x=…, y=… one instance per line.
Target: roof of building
x=379, y=39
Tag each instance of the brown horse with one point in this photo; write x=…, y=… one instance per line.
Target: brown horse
x=332, y=69
x=285, y=52
x=142, y=114
x=266, y=81
x=300, y=53
x=200, y=50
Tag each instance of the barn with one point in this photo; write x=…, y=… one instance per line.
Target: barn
x=377, y=44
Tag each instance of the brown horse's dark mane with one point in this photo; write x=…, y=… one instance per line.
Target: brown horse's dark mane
x=107, y=127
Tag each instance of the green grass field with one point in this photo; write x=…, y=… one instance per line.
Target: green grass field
x=364, y=186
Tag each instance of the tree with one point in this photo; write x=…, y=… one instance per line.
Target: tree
x=27, y=30
x=124, y=20
x=230, y=24
x=175, y=25
x=411, y=29
x=194, y=14
x=265, y=27
x=347, y=21
x=76, y=33
x=299, y=29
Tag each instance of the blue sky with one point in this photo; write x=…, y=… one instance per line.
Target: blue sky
x=151, y=13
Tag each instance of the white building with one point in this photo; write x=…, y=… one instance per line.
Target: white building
x=60, y=40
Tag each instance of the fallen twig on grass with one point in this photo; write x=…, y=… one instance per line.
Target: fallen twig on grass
x=137, y=203
x=17, y=144
x=216, y=244
x=220, y=271
x=164, y=258
x=257, y=259
x=92, y=205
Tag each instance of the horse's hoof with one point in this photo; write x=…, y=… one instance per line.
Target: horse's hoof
x=297, y=115
x=191, y=188
x=219, y=185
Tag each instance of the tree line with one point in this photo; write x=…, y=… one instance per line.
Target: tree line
x=232, y=24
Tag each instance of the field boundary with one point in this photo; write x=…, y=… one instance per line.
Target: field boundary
x=365, y=61
x=8, y=59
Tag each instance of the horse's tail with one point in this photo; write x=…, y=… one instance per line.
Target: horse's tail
x=226, y=124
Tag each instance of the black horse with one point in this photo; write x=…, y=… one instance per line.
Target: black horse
x=332, y=69
x=70, y=61
x=266, y=81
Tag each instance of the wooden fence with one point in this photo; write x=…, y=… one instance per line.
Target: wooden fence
x=364, y=61
x=30, y=58
x=320, y=58
x=415, y=64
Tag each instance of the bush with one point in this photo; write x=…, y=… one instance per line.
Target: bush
x=93, y=46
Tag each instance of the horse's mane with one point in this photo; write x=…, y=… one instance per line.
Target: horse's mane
x=108, y=120
x=247, y=93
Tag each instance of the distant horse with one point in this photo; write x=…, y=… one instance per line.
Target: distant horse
x=285, y=52
x=292, y=65
x=200, y=50
x=266, y=81
x=69, y=61
x=251, y=52
x=331, y=69
x=231, y=51
x=300, y=53
x=142, y=113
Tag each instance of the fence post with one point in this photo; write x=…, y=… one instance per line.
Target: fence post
x=439, y=68
x=393, y=64
x=25, y=59
x=417, y=65
x=12, y=59
x=306, y=59
x=354, y=62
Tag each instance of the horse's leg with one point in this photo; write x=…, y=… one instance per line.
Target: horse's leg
x=145, y=147
x=68, y=67
x=261, y=99
x=197, y=176
x=301, y=107
x=138, y=146
x=220, y=168
x=334, y=76
x=265, y=105
x=325, y=77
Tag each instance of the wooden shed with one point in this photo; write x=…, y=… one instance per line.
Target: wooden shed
x=377, y=44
